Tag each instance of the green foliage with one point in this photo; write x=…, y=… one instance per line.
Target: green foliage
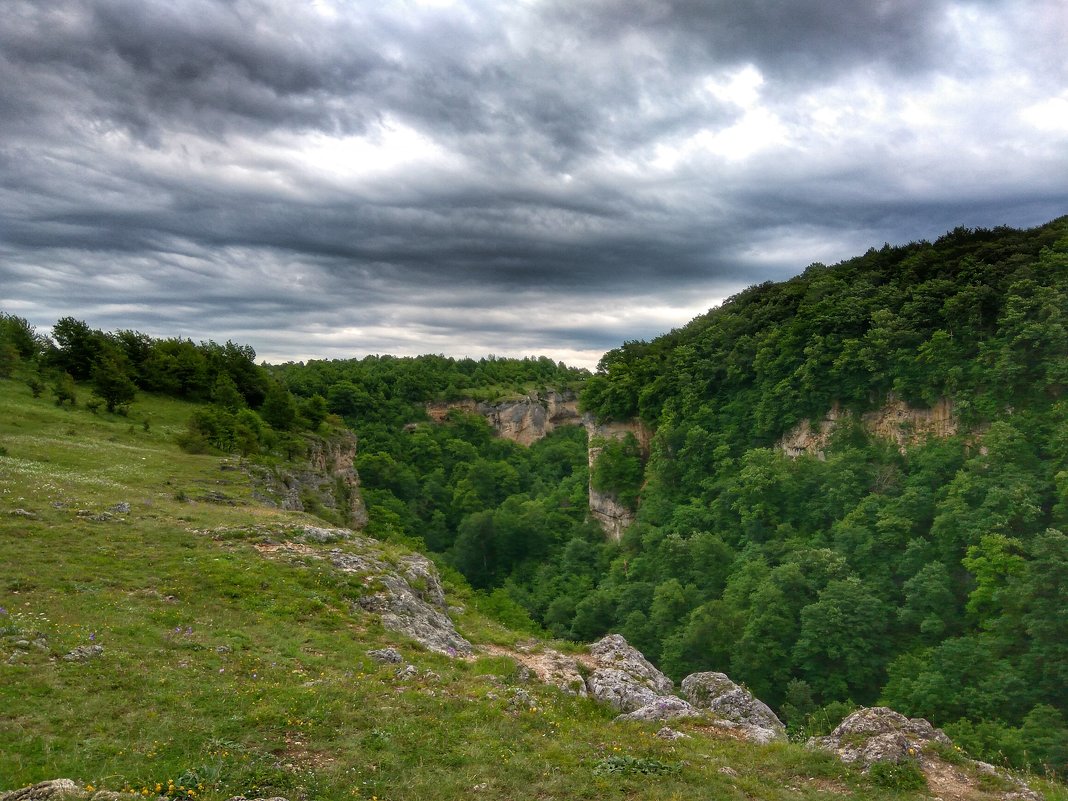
x=900, y=776
x=617, y=470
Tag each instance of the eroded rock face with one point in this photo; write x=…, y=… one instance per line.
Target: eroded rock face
x=623, y=677
x=613, y=516
x=717, y=693
x=896, y=421
x=879, y=734
x=407, y=596
x=525, y=420
x=328, y=475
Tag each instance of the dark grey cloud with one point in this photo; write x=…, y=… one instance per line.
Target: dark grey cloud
x=334, y=178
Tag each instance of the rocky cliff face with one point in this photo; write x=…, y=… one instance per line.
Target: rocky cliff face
x=524, y=421
x=327, y=480
x=613, y=516
x=895, y=421
x=530, y=418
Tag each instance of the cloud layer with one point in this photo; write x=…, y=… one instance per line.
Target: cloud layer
x=336, y=178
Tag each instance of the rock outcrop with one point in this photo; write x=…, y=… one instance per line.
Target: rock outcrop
x=896, y=421
x=879, y=734
x=327, y=479
x=406, y=595
x=725, y=699
x=623, y=677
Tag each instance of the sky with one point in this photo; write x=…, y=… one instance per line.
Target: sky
x=329, y=179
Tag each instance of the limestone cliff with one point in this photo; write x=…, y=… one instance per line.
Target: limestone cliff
x=532, y=417
x=613, y=516
x=525, y=420
x=326, y=480
x=895, y=421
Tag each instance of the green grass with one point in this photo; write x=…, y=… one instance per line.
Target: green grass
x=229, y=671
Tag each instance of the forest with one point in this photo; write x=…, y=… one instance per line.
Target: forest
x=931, y=578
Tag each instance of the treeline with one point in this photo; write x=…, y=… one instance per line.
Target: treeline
x=935, y=581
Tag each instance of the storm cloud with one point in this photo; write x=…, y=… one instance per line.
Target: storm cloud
x=330, y=179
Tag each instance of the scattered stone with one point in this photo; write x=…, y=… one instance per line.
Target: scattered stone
x=717, y=693
x=667, y=733
x=23, y=513
x=84, y=653
x=665, y=708
x=521, y=700
x=243, y=798
x=223, y=649
x=727, y=770
x=122, y=508
x=387, y=655
x=23, y=644
x=624, y=678
x=407, y=672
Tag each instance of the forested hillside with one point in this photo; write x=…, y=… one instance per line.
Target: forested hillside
x=935, y=580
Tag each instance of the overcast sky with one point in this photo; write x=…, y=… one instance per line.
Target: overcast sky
x=325, y=178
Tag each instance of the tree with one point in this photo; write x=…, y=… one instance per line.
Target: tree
x=279, y=408
x=111, y=381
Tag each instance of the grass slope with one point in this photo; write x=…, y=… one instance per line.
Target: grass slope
x=226, y=670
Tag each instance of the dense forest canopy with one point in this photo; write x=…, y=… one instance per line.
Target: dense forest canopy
x=932, y=578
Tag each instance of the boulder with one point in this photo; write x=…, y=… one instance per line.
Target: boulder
x=725, y=699
x=558, y=670
x=623, y=677
x=663, y=709
x=879, y=734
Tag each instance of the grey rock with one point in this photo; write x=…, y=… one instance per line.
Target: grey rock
x=521, y=700
x=84, y=653
x=408, y=596
x=323, y=535
x=64, y=788
x=667, y=733
x=623, y=677
x=557, y=670
x=122, y=508
x=665, y=708
x=243, y=798
x=23, y=513
x=54, y=788
x=725, y=699
x=388, y=655
x=879, y=734
x=620, y=689
x=407, y=672
x=727, y=770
